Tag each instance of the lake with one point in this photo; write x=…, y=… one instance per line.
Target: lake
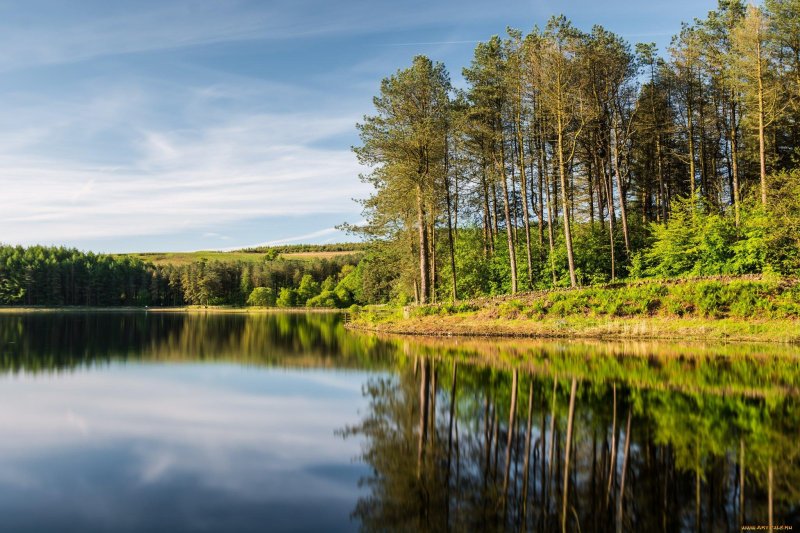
x=149, y=421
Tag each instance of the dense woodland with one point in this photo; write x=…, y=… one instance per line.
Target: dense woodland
x=571, y=157
x=53, y=276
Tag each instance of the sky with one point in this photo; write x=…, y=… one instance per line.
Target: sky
x=178, y=125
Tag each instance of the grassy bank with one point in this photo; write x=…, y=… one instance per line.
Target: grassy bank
x=753, y=309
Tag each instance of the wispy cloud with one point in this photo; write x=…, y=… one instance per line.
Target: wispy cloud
x=182, y=179
x=288, y=240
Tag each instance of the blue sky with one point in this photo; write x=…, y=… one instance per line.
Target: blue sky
x=184, y=125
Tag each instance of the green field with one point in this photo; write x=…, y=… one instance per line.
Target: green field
x=257, y=255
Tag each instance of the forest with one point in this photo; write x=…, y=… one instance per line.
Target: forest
x=57, y=276
x=571, y=158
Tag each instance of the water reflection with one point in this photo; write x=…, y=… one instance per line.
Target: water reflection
x=459, y=447
x=192, y=421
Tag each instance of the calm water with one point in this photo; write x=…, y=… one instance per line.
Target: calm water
x=192, y=422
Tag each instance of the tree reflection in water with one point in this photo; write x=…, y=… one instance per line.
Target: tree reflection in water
x=451, y=448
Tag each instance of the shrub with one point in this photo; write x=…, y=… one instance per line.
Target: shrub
x=261, y=297
x=287, y=298
x=324, y=299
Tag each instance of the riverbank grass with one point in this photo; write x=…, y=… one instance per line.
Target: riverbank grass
x=730, y=309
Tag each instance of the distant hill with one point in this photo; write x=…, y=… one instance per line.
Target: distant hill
x=252, y=255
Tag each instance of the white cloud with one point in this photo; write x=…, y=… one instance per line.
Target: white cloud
x=246, y=167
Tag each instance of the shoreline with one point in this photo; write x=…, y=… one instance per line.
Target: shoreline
x=785, y=331
x=723, y=309
x=185, y=309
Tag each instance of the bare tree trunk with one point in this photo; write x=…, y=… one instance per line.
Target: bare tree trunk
x=451, y=238
x=523, y=183
x=432, y=260
x=550, y=215
x=621, y=191
x=488, y=237
x=661, y=191
x=496, y=227
x=540, y=196
x=565, y=205
x=608, y=187
x=734, y=160
x=512, y=255
x=590, y=190
x=702, y=141
x=423, y=249
x=762, y=158
x=690, y=134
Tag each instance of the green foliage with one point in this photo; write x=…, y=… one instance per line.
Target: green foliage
x=262, y=297
x=307, y=289
x=592, y=252
x=697, y=241
x=783, y=239
x=742, y=299
x=326, y=298
x=287, y=298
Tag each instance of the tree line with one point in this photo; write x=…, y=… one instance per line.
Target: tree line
x=58, y=276
x=571, y=157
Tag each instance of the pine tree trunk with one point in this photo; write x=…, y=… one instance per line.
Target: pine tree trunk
x=690, y=134
x=762, y=158
x=550, y=215
x=451, y=238
x=564, y=204
x=512, y=256
x=424, y=270
x=621, y=191
x=735, y=161
x=523, y=183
